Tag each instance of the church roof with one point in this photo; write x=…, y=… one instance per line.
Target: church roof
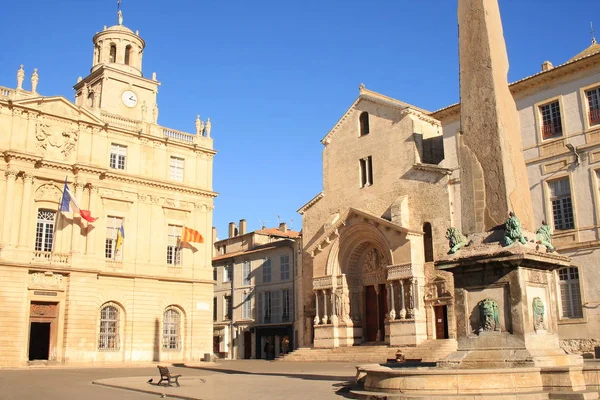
x=593, y=49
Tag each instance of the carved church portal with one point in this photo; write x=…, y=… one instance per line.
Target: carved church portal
x=42, y=330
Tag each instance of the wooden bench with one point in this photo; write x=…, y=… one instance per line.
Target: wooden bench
x=165, y=375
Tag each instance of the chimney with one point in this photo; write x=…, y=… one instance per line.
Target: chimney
x=242, y=226
x=232, y=229
x=214, y=233
x=547, y=66
x=283, y=227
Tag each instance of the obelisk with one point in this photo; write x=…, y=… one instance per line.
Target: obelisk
x=493, y=172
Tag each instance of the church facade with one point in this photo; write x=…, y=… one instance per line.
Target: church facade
x=121, y=288
x=370, y=237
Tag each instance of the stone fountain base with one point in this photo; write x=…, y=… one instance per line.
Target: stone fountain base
x=532, y=383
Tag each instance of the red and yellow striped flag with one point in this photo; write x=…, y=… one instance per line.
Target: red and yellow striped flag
x=191, y=235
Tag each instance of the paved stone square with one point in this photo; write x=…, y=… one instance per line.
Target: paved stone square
x=240, y=379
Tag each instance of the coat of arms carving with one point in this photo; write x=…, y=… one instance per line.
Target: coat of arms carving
x=55, y=140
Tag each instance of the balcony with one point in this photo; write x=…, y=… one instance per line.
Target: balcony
x=552, y=129
x=48, y=257
x=594, y=116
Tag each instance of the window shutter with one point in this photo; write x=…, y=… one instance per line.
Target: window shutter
x=276, y=301
x=260, y=311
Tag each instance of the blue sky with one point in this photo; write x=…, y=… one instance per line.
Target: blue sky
x=275, y=76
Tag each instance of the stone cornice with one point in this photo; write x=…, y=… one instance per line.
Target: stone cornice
x=532, y=81
x=158, y=184
x=69, y=269
x=433, y=168
x=420, y=115
x=310, y=203
x=21, y=155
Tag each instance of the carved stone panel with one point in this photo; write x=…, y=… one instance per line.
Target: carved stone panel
x=46, y=280
x=55, y=140
x=45, y=310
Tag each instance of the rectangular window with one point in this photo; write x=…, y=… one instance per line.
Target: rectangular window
x=285, y=315
x=276, y=306
x=214, y=274
x=593, y=97
x=214, y=308
x=247, y=307
x=227, y=273
x=113, y=224
x=267, y=270
x=267, y=307
x=117, y=156
x=176, y=169
x=570, y=293
x=562, y=208
x=44, y=233
x=173, y=249
x=246, y=273
x=551, y=120
x=366, y=171
x=227, y=307
x=285, y=267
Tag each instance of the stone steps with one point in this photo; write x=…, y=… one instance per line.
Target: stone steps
x=428, y=351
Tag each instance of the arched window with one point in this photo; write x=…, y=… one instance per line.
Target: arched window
x=364, y=123
x=127, y=53
x=428, y=242
x=97, y=54
x=171, y=329
x=91, y=99
x=570, y=292
x=109, y=327
x=113, y=53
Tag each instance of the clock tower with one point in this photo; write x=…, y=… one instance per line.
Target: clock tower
x=116, y=84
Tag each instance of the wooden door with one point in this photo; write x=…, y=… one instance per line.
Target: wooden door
x=441, y=322
x=371, y=314
x=247, y=345
x=383, y=309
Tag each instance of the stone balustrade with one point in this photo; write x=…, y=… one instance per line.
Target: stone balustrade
x=122, y=122
x=49, y=257
x=178, y=135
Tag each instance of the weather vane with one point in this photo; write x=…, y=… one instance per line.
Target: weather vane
x=593, y=32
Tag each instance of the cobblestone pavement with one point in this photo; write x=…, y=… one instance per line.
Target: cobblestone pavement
x=240, y=379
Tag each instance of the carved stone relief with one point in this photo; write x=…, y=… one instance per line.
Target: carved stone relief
x=48, y=192
x=45, y=280
x=54, y=140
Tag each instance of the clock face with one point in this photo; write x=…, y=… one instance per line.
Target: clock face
x=129, y=98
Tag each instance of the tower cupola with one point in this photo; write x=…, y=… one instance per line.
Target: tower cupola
x=119, y=47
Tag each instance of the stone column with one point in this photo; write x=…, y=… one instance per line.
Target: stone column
x=402, y=308
x=91, y=232
x=325, y=316
x=25, y=210
x=376, y=286
x=317, y=319
x=76, y=220
x=411, y=304
x=11, y=177
x=334, y=310
x=392, y=315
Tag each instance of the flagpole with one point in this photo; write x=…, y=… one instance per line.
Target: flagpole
x=56, y=220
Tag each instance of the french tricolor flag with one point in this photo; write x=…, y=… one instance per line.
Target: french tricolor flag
x=68, y=204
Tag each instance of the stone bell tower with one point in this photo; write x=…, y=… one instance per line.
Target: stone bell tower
x=116, y=84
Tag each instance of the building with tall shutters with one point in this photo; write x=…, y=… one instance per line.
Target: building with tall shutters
x=257, y=288
x=122, y=288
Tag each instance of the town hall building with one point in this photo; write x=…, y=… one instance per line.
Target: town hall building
x=122, y=288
